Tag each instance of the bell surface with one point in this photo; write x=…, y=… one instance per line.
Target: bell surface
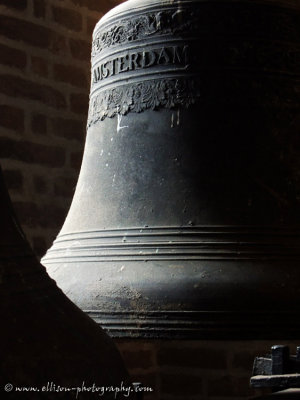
x=185, y=219
x=46, y=342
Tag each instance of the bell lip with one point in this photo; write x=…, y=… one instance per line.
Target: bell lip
x=131, y=6
x=199, y=325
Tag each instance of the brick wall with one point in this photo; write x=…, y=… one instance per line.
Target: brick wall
x=195, y=370
x=44, y=87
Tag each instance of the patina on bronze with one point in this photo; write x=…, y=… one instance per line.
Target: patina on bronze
x=185, y=220
x=49, y=348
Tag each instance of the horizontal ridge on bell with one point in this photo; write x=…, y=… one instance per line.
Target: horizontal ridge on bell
x=181, y=243
x=186, y=217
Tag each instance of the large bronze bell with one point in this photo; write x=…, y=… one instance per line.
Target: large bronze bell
x=49, y=348
x=185, y=220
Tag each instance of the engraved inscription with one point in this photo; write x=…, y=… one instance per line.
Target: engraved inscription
x=173, y=55
x=204, y=50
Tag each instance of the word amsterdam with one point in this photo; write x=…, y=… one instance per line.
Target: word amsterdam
x=176, y=55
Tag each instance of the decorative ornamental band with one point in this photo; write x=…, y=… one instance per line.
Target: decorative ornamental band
x=160, y=57
x=144, y=26
x=168, y=93
x=204, y=19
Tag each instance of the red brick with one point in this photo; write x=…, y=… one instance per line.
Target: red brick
x=46, y=216
x=19, y=87
x=27, y=213
x=32, y=153
x=96, y=5
x=76, y=160
x=70, y=74
x=65, y=187
x=39, y=245
x=13, y=180
x=68, y=128
x=59, y=44
x=90, y=25
x=80, y=49
x=206, y=358
x=39, y=124
x=79, y=103
x=17, y=4
x=69, y=19
x=39, y=66
x=181, y=384
x=244, y=360
x=12, y=117
x=52, y=216
x=33, y=34
x=229, y=386
x=138, y=359
x=12, y=57
x=40, y=184
x=28, y=32
x=39, y=8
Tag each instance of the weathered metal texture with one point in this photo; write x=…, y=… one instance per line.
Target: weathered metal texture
x=278, y=370
x=45, y=340
x=185, y=221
